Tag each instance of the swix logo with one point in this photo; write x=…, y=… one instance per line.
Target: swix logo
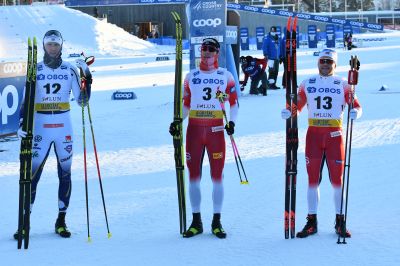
x=5, y=109
x=207, y=22
x=13, y=68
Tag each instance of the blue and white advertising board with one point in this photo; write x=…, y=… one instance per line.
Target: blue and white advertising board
x=312, y=36
x=330, y=36
x=12, y=82
x=207, y=19
x=244, y=39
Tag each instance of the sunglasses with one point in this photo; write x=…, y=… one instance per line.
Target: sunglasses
x=211, y=49
x=326, y=61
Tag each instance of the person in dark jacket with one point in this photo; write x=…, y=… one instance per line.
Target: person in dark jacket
x=272, y=54
x=255, y=69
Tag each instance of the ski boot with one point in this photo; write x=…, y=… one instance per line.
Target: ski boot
x=310, y=228
x=340, y=227
x=60, y=226
x=195, y=228
x=216, y=226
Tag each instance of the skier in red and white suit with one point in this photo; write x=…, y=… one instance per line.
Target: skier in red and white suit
x=205, y=131
x=326, y=96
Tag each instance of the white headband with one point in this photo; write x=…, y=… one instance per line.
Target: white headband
x=52, y=38
x=329, y=53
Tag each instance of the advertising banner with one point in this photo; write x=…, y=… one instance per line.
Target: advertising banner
x=260, y=34
x=244, y=39
x=207, y=19
x=312, y=36
x=330, y=36
x=12, y=82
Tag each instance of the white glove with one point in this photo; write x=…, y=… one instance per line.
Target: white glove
x=285, y=114
x=81, y=64
x=20, y=133
x=354, y=114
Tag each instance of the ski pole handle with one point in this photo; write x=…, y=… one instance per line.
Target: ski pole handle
x=353, y=72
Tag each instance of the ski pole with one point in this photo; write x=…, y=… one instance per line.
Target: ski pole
x=352, y=80
x=221, y=98
x=85, y=170
x=98, y=167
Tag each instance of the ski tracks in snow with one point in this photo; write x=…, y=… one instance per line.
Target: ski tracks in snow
x=144, y=160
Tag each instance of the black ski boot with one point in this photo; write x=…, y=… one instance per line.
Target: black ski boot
x=310, y=228
x=60, y=226
x=340, y=227
x=195, y=228
x=216, y=226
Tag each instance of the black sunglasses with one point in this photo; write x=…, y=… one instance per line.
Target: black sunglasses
x=211, y=49
x=326, y=61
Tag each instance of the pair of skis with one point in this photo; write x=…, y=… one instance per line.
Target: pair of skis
x=179, y=152
x=26, y=147
x=292, y=139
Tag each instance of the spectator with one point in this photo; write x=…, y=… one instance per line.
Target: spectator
x=272, y=54
x=255, y=69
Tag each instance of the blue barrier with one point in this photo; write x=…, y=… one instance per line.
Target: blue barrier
x=169, y=41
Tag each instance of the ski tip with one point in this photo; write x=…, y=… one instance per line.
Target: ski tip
x=244, y=182
x=288, y=23
x=109, y=235
x=89, y=240
x=34, y=41
x=295, y=22
x=29, y=41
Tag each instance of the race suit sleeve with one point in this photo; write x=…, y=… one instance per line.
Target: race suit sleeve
x=76, y=87
x=186, y=97
x=232, y=92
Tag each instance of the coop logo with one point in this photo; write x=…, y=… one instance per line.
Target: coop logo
x=231, y=34
x=119, y=95
x=13, y=68
x=304, y=16
x=268, y=11
x=235, y=6
x=356, y=23
x=7, y=110
x=207, y=22
x=374, y=26
x=339, y=21
x=285, y=13
x=319, y=18
x=251, y=8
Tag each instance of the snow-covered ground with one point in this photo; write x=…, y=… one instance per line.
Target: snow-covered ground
x=136, y=159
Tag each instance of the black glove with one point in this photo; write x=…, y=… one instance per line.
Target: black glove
x=242, y=87
x=230, y=128
x=280, y=60
x=174, y=128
